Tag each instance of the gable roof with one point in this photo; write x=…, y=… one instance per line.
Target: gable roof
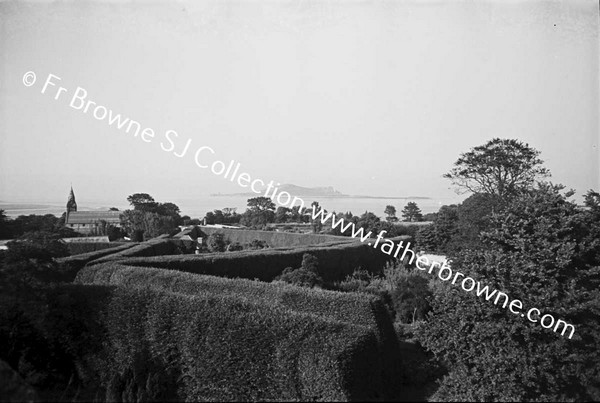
x=93, y=217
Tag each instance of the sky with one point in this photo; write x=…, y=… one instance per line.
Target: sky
x=369, y=97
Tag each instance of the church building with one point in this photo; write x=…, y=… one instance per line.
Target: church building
x=89, y=222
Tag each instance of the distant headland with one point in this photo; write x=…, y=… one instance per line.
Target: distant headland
x=325, y=192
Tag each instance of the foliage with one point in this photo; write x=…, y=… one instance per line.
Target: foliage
x=40, y=245
x=406, y=291
x=307, y=275
x=316, y=224
x=411, y=296
x=5, y=230
x=411, y=212
x=146, y=223
x=28, y=273
x=256, y=244
x=225, y=216
x=357, y=309
x=274, y=239
x=78, y=248
x=283, y=214
x=144, y=203
x=543, y=250
x=500, y=167
x=14, y=228
x=336, y=261
x=234, y=247
x=390, y=212
x=216, y=242
x=72, y=264
x=457, y=227
x=300, y=277
x=261, y=211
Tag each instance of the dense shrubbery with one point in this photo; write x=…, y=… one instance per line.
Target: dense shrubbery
x=457, y=227
x=406, y=291
x=543, y=250
x=307, y=275
x=217, y=242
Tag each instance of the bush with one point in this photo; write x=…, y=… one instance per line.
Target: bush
x=301, y=277
x=234, y=247
x=256, y=244
x=411, y=297
x=216, y=242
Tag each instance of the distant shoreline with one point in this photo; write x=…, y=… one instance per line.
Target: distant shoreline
x=328, y=196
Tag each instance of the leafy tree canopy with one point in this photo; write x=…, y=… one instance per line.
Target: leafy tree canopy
x=411, y=212
x=499, y=167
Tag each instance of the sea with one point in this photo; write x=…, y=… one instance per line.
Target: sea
x=198, y=207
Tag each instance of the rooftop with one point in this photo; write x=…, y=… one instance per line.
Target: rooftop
x=92, y=217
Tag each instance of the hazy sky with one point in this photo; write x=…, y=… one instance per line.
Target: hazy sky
x=370, y=97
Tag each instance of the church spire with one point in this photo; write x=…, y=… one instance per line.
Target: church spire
x=71, y=204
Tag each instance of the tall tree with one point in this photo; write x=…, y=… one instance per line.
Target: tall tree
x=390, y=212
x=316, y=225
x=282, y=214
x=412, y=212
x=142, y=201
x=261, y=211
x=500, y=167
x=261, y=204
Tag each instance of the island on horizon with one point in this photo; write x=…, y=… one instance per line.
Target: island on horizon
x=326, y=192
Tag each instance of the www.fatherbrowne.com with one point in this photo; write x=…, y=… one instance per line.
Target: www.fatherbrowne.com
x=445, y=273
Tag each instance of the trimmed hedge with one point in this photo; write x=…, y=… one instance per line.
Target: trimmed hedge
x=145, y=345
x=336, y=262
x=275, y=239
x=77, y=248
x=74, y=263
x=153, y=247
x=357, y=309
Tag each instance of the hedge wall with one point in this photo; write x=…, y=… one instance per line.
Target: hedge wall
x=77, y=248
x=357, y=309
x=275, y=239
x=76, y=262
x=153, y=247
x=146, y=345
x=336, y=262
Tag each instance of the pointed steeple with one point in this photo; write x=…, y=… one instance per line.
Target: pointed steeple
x=71, y=204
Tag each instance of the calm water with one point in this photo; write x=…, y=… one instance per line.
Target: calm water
x=197, y=208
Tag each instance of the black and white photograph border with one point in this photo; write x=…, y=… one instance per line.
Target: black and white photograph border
x=299, y=200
